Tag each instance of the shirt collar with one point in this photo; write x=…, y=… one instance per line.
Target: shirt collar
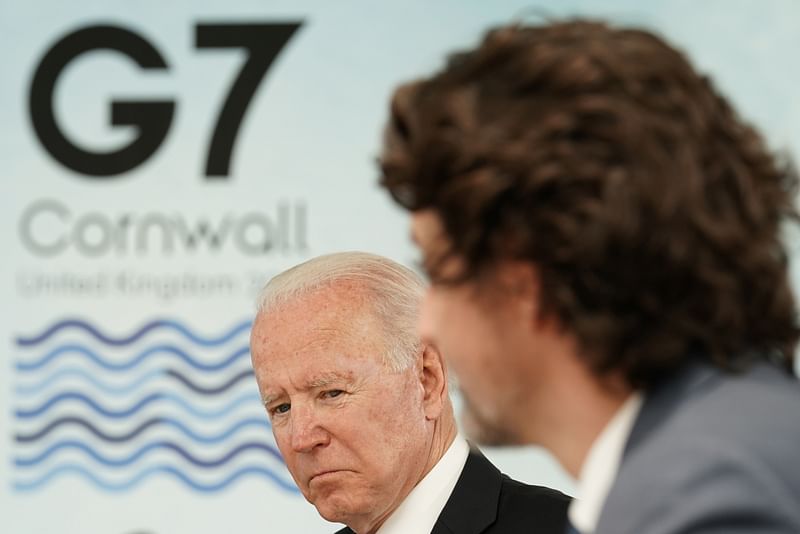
x=601, y=466
x=421, y=508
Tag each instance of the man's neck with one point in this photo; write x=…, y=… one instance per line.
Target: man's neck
x=443, y=435
x=580, y=407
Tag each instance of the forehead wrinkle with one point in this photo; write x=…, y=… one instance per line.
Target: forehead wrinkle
x=346, y=331
x=322, y=336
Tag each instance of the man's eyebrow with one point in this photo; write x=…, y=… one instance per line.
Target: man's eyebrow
x=320, y=381
x=316, y=382
x=269, y=399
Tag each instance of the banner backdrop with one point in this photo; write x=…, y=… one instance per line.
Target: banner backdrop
x=161, y=160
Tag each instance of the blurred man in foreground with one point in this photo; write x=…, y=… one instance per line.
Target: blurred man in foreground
x=361, y=413
x=603, y=237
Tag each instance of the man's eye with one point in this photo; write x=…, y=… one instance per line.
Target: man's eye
x=332, y=394
x=281, y=408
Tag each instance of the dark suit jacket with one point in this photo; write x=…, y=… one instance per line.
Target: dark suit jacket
x=485, y=501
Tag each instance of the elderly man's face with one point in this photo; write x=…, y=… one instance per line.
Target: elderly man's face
x=352, y=431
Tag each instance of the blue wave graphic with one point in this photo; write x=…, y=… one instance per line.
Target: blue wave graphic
x=120, y=341
x=203, y=390
x=157, y=469
x=108, y=389
x=62, y=350
x=59, y=376
x=150, y=423
x=246, y=398
x=122, y=390
x=130, y=459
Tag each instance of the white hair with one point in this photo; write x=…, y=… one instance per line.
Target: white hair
x=396, y=290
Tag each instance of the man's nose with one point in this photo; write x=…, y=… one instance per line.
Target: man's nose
x=307, y=430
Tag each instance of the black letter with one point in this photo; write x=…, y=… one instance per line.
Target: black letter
x=152, y=118
x=263, y=43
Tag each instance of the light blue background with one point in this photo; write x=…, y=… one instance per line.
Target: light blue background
x=310, y=135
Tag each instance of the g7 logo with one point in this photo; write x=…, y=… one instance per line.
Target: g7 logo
x=153, y=119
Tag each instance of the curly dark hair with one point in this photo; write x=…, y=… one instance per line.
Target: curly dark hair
x=651, y=211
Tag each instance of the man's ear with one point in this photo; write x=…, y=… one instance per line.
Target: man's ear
x=433, y=377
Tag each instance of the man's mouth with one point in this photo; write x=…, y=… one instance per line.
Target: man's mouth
x=324, y=475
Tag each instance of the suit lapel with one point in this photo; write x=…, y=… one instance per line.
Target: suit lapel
x=659, y=405
x=664, y=399
x=473, y=504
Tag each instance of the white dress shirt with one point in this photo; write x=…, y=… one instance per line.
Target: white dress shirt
x=421, y=508
x=601, y=465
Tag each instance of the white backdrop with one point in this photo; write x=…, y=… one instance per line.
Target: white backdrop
x=126, y=298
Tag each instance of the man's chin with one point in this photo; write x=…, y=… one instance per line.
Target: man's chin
x=335, y=509
x=485, y=432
